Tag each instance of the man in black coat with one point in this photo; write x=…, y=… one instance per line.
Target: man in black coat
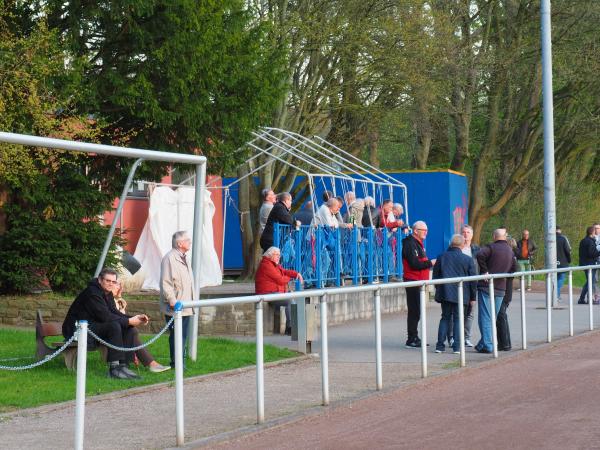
x=96, y=305
x=279, y=214
x=563, y=256
x=451, y=264
x=588, y=253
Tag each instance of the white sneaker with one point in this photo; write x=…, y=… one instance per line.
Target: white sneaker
x=468, y=343
x=158, y=368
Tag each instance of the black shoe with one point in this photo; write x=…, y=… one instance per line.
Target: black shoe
x=288, y=331
x=117, y=372
x=505, y=349
x=130, y=373
x=413, y=343
x=482, y=350
x=582, y=302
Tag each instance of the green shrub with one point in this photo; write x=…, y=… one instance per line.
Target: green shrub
x=53, y=231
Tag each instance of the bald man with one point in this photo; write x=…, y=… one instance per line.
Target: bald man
x=497, y=257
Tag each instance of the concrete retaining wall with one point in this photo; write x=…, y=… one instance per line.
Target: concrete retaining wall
x=235, y=319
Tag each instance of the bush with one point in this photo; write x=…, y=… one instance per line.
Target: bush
x=53, y=231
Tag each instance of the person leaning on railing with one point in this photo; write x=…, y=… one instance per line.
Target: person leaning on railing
x=271, y=278
x=279, y=214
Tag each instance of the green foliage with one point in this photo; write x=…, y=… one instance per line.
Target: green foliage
x=53, y=231
x=49, y=227
x=177, y=75
x=52, y=382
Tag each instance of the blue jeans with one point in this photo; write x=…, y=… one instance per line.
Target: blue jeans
x=584, y=291
x=560, y=281
x=485, y=319
x=185, y=325
x=449, y=318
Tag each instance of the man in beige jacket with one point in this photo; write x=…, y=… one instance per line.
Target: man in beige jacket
x=177, y=283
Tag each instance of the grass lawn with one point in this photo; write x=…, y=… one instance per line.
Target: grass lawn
x=52, y=382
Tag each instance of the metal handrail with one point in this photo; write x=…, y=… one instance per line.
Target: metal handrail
x=323, y=294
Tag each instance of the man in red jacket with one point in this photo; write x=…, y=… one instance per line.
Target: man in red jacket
x=416, y=267
x=272, y=278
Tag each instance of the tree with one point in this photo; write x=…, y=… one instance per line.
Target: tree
x=50, y=226
x=182, y=75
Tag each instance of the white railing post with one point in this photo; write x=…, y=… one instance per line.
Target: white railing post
x=80, y=390
x=493, y=316
x=570, y=303
x=179, y=376
x=260, y=369
x=378, y=371
x=590, y=295
x=549, y=307
x=461, y=322
x=324, y=351
x=523, y=315
x=423, y=307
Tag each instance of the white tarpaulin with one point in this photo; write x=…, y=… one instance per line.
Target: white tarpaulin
x=171, y=211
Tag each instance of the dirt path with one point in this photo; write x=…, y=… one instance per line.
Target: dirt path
x=546, y=398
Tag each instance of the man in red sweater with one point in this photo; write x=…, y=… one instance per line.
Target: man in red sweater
x=416, y=267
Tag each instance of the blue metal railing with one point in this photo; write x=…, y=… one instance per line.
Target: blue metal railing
x=327, y=256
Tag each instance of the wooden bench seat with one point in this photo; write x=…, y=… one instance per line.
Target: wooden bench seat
x=53, y=331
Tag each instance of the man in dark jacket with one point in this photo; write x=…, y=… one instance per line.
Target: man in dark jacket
x=279, y=214
x=497, y=257
x=416, y=266
x=588, y=253
x=563, y=256
x=451, y=264
x=96, y=304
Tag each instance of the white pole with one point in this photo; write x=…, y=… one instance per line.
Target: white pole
x=493, y=315
x=549, y=307
x=461, y=322
x=570, y=303
x=378, y=368
x=548, y=118
x=80, y=390
x=196, y=251
x=179, y=376
x=590, y=296
x=324, y=351
x=523, y=318
x=260, y=369
x=423, y=307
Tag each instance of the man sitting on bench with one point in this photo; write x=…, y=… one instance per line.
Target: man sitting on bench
x=96, y=305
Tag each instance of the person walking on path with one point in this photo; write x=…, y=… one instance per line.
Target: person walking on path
x=497, y=257
x=176, y=284
x=416, y=267
x=525, y=253
x=450, y=264
x=470, y=249
x=588, y=254
x=563, y=256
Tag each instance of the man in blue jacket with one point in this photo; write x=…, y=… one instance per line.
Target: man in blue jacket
x=451, y=264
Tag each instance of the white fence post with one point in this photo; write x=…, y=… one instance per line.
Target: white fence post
x=80, y=390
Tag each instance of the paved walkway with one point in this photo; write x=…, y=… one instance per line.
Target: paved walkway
x=221, y=403
x=547, y=398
